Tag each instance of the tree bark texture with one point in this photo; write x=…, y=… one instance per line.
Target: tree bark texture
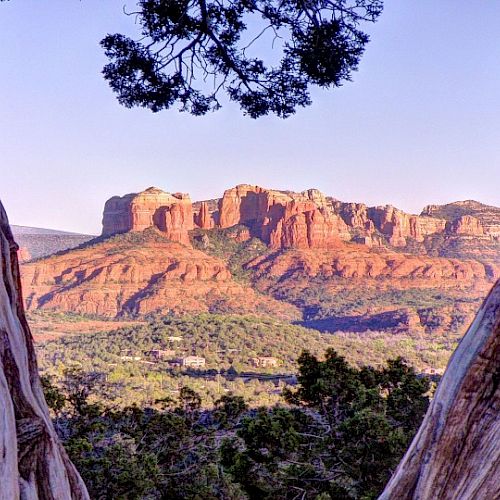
x=456, y=452
x=33, y=463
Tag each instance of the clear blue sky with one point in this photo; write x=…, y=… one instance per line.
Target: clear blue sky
x=419, y=124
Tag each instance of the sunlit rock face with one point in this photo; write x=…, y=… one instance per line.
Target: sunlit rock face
x=149, y=275
x=170, y=213
x=306, y=220
x=283, y=219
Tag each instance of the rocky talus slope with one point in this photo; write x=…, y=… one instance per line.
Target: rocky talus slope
x=33, y=463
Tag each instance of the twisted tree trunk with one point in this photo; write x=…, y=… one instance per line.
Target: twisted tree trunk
x=456, y=452
x=33, y=464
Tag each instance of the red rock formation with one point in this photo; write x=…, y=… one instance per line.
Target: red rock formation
x=456, y=452
x=283, y=219
x=170, y=213
x=246, y=204
x=115, y=278
x=397, y=225
x=354, y=215
x=303, y=225
x=465, y=225
x=204, y=219
x=33, y=463
x=356, y=261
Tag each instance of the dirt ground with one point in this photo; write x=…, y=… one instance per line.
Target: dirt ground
x=49, y=327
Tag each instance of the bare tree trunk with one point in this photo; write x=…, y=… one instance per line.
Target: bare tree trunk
x=456, y=452
x=33, y=464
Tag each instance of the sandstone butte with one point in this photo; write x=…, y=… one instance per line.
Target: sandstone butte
x=283, y=219
x=170, y=213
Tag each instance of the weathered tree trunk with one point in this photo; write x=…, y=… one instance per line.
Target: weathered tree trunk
x=456, y=452
x=33, y=464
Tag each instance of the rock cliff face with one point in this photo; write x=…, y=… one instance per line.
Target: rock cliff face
x=170, y=213
x=284, y=219
x=33, y=463
x=398, y=226
x=465, y=225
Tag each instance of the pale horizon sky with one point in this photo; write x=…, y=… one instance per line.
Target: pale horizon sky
x=418, y=125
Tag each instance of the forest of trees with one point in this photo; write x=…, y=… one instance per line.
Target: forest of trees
x=338, y=434
x=229, y=344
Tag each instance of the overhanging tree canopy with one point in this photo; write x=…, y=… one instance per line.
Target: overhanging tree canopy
x=191, y=51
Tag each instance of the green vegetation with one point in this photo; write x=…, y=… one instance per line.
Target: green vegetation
x=224, y=244
x=118, y=242
x=339, y=435
x=323, y=299
x=229, y=345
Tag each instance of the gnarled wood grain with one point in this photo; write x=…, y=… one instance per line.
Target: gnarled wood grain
x=33, y=464
x=456, y=452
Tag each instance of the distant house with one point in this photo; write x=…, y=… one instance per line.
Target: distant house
x=159, y=354
x=193, y=362
x=130, y=358
x=265, y=362
x=174, y=339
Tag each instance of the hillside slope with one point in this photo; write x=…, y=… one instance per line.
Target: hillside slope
x=36, y=242
x=137, y=274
